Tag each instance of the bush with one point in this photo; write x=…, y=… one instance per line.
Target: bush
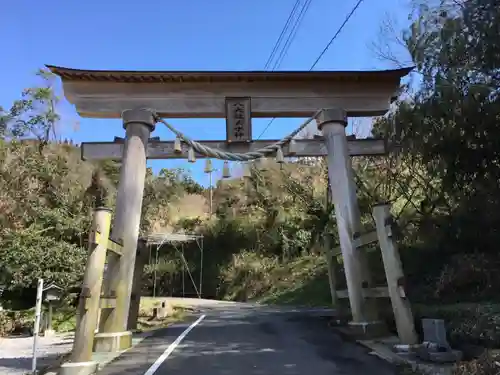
x=247, y=276
x=301, y=281
x=18, y=322
x=451, y=278
x=5, y=323
x=468, y=324
x=473, y=275
x=485, y=365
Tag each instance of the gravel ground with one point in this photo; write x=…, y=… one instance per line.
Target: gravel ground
x=16, y=352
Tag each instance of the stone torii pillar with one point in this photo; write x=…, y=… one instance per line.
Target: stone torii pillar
x=332, y=122
x=113, y=334
x=135, y=298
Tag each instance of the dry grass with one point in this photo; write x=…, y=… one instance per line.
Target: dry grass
x=189, y=206
x=147, y=324
x=146, y=321
x=485, y=365
x=299, y=282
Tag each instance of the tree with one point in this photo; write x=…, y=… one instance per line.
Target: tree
x=447, y=130
x=34, y=115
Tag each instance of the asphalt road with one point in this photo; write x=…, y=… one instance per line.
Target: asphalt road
x=248, y=340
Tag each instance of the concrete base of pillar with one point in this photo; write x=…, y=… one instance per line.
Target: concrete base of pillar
x=368, y=330
x=78, y=368
x=112, y=342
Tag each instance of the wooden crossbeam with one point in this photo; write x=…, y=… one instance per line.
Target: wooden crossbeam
x=115, y=246
x=363, y=239
x=112, y=245
x=165, y=149
x=107, y=303
x=104, y=302
x=360, y=240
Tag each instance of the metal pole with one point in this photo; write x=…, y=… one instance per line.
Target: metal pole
x=156, y=266
x=201, y=266
x=149, y=262
x=183, y=270
x=210, y=193
x=36, y=327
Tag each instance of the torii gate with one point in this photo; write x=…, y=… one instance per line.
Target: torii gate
x=138, y=97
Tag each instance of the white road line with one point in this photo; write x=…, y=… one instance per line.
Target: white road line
x=172, y=347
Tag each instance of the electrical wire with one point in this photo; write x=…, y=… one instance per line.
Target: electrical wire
x=286, y=47
x=339, y=30
x=337, y=33
x=267, y=127
x=283, y=31
x=293, y=33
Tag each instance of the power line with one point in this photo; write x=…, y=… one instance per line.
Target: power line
x=283, y=31
x=267, y=127
x=337, y=33
x=293, y=33
x=288, y=42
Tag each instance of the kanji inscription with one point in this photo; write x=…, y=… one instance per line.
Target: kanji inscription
x=238, y=120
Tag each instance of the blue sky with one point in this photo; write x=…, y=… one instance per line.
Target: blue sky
x=179, y=35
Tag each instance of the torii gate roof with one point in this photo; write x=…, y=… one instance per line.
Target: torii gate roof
x=178, y=94
x=69, y=74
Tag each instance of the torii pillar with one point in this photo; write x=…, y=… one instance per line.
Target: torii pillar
x=113, y=335
x=332, y=122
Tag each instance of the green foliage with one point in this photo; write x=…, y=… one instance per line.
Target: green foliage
x=20, y=321
x=279, y=215
x=29, y=254
x=445, y=175
x=44, y=206
x=48, y=193
x=34, y=115
x=5, y=325
x=44, y=216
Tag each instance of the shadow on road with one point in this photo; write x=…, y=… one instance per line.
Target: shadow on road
x=252, y=345
x=24, y=363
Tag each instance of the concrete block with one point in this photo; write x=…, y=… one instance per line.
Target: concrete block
x=367, y=330
x=447, y=356
x=78, y=368
x=435, y=332
x=112, y=342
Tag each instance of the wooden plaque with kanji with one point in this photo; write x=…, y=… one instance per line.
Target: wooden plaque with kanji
x=238, y=120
